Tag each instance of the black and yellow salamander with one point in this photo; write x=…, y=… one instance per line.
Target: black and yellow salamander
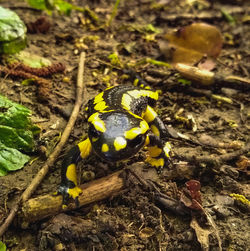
x=121, y=122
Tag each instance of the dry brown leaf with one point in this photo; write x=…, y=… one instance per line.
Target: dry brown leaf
x=194, y=42
x=203, y=233
x=243, y=164
x=146, y=232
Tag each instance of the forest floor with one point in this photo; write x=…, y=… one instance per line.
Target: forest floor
x=135, y=219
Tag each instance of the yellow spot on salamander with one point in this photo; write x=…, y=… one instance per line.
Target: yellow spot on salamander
x=155, y=130
x=74, y=192
x=150, y=114
x=71, y=173
x=155, y=162
x=154, y=151
x=167, y=149
x=126, y=100
x=147, y=141
x=97, y=122
x=85, y=148
x=143, y=93
x=134, y=132
x=144, y=127
x=105, y=148
x=98, y=98
x=100, y=106
x=108, y=88
x=120, y=143
x=94, y=139
x=136, y=116
x=136, y=81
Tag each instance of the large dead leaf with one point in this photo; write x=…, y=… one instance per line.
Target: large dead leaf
x=203, y=232
x=192, y=43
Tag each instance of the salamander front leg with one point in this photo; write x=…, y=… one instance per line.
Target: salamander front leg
x=158, y=152
x=68, y=187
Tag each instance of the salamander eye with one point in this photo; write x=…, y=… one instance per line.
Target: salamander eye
x=93, y=132
x=138, y=140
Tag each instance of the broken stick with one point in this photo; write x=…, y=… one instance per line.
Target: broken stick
x=47, y=205
x=80, y=91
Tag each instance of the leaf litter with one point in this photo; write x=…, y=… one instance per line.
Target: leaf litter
x=118, y=222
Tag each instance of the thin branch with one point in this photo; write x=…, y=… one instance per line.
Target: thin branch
x=80, y=91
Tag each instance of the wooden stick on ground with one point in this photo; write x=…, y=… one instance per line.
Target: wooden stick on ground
x=207, y=78
x=43, y=206
x=50, y=161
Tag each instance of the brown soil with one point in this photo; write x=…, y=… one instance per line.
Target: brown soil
x=134, y=219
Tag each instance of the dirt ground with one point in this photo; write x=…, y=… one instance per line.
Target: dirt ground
x=136, y=219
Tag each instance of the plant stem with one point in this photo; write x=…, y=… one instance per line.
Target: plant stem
x=114, y=12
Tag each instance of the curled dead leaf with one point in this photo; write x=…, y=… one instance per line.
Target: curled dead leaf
x=191, y=196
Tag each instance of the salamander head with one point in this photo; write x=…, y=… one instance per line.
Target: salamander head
x=116, y=135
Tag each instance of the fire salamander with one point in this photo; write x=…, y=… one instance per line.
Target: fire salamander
x=121, y=121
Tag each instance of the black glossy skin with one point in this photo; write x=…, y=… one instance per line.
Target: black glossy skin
x=109, y=119
x=113, y=98
x=116, y=123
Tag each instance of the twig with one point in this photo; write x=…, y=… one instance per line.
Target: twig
x=216, y=161
x=114, y=12
x=41, y=207
x=207, y=78
x=203, y=15
x=80, y=91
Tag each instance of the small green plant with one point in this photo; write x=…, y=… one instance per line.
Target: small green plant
x=2, y=246
x=184, y=81
x=230, y=19
x=114, y=12
x=114, y=59
x=49, y=5
x=150, y=61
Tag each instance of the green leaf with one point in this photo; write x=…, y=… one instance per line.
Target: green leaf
x=184, y=81
x=228, y=17
x=38, y=4
x=11, y=159
x=12, y=32
x=62, y=6
x=28, y=81
x=16, y=129
x=16, y=135
x=151, y=28
x=29, y=59
x=2, y=246
x=114, y=59
x=17, y=138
